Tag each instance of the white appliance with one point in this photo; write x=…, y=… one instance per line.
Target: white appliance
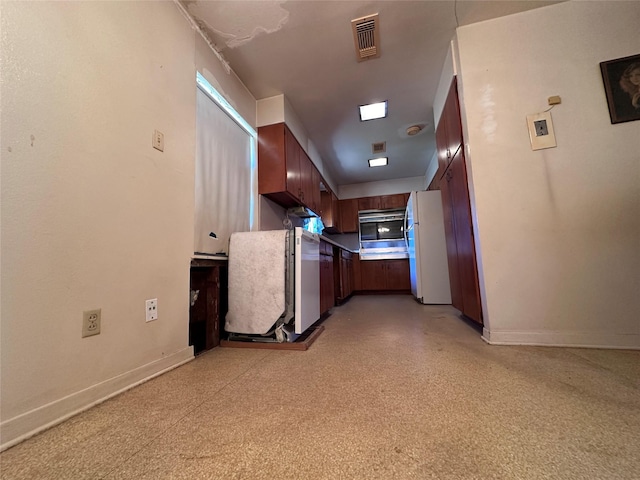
x=274, y=284
x=427, y=247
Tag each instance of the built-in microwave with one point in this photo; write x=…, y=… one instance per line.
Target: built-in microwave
x=382, y=234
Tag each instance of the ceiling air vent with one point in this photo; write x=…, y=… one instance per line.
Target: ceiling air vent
x=366, y=37
x=379, y=147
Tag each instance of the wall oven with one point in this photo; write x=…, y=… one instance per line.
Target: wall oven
x=382, y=234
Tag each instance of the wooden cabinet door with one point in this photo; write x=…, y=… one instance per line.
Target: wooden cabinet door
x=315, y=190
x=393, y=201
x=372, y=274
x=349, y=215
x=306, y=190
x=397, y=275
x=463, y=225
x=326, y=283
x=450, y=236
x=357, y=276
x=369, y=203
x=442, y=144
x=452, y=119
x=329, y=212
x=292, y=159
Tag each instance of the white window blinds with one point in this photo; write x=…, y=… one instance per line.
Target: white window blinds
x=223, y=177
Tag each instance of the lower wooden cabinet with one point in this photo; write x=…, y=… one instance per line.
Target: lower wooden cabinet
x=380, y=275
x=208, y=294
x=327, y=289
x=343, y=275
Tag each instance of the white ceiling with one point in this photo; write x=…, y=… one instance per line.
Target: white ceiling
x=304, y=50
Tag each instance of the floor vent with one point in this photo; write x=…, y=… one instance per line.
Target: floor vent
x=366, y=37
x=379, y=147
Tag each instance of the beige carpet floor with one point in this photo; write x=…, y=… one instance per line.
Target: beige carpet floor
x=390, y=390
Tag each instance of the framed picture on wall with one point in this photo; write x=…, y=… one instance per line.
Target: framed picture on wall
x=621, y=79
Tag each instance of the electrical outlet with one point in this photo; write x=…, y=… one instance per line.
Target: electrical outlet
x=91, y=322
x=152, y=309
x=541, y=131
x=157, y=141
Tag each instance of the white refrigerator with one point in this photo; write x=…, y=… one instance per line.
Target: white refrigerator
x=427, y=247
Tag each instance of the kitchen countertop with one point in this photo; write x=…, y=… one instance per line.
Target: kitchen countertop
x=333, y=242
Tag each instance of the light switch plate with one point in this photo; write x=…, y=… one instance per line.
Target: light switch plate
x=541, y=131
x=157, y=141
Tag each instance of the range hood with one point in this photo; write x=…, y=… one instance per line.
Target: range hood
x=301, y=212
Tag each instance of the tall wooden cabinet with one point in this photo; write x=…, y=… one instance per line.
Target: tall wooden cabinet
x=461, y=254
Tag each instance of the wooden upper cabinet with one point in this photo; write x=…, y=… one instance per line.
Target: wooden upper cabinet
x=285, y=173
x=449, y=129
x=394, y=201
x=330, y=212
x=292, y=163
x=316, y=179
x=369, y=203
x=306, y=187
x=348, y=215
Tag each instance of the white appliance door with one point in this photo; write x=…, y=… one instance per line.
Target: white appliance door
x=307, y=279
x=410, y=238
x=431, y=250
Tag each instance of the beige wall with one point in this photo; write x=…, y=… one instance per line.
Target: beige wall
x=558, y=230
x=387, y=187
x=92, y=216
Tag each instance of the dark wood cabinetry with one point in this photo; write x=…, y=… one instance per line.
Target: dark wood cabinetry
x=327, y=290
x=369, y=203
x=330, y=212
x=348, y=215
x=349, y=208
x=343, y=274
x=398, y=200
x=286, y=174
x=381, y=275
x=461, y=254
x=449, y=130
x=208, y=294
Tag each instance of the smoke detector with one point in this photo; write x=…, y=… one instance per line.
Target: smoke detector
x=366, y=36
x=414, y=130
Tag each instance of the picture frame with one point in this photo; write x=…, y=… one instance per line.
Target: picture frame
x=621, y=78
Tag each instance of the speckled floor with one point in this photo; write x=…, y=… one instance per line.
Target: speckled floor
x=390, y=390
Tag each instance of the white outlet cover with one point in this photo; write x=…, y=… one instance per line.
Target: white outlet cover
x=538, y=142
x=151, y=310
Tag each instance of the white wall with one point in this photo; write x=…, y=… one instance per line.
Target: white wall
x=92, y=216
x=386, y=187
x=558, y=230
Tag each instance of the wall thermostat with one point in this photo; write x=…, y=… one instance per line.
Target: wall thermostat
x=541, y=131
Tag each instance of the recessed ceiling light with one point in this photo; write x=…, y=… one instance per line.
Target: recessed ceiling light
x=378, y=162
x=373, y=111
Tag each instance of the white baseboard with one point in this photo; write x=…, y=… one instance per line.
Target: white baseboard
x=562, y=339
x=19, y=428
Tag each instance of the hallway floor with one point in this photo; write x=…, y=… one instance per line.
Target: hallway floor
x=390, y=390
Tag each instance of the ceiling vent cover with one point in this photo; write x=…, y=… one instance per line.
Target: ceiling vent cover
x=379, y=147
x=366, y=37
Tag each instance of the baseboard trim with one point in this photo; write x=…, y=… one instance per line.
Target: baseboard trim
x=560, y=339
x=18, y=429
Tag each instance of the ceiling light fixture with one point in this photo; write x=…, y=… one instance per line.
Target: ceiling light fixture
x=414, y=130
x=373, y=111
x=378, y=162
